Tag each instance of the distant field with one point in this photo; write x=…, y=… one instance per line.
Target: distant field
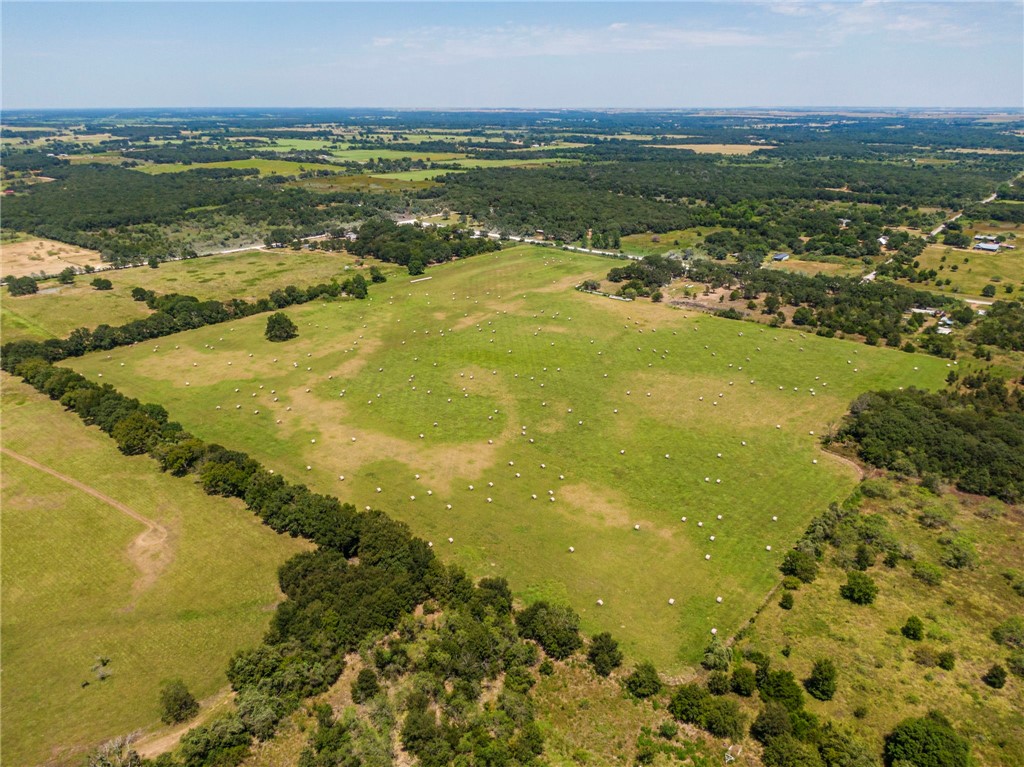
x=265, y=167
x=36, y=255
x=872, y=656
x=81, y=579
x=59, y=309
x=362, y=155
x=496, y=360
x=730, y=149
x=975, y=269
x=649, y=244
x=849, y=269
x=383, y=182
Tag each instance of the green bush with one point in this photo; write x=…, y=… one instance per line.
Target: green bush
x=859, y=588
x=781, y=686
x=926, y=572
x=1015, y=663
x=928, y=741
x=280, y=327
x=821, y=684
x=644, y=681
x=995, y=677
x=689, y=704
x=744, y=681
x=604, y=654
x=718, y=683
x=554, y=627
x=787, y=751
x=771, y=722
x=800, y=564
x=786, y=602
x=1010, y=632
x=365, y=686
x=177, y=704
x=946, y=660
x=913, y=629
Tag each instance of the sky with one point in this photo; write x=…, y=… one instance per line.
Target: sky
x=629, y=55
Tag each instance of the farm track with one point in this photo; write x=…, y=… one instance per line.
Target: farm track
x=149, y=551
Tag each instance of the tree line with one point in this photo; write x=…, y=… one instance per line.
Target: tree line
x=416, y=246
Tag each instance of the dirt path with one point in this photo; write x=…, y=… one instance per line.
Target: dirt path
x=149, y=551
x=154, y=744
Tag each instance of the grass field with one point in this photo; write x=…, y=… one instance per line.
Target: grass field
x=876, y=663
x=265, y=167
x=728, y=149
x=58, y=309
x=384, y=182
x=496, y=366
x=848, y=268
x=975, y=269
x=649, y=244
x=24, y=254
x=81, y=579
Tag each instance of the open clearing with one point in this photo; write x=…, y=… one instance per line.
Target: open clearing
x=58, y=309
x=171, y=589
x=872, y=655
x=35, y=255
x=730, y=149
x=265, y=167
x=850, y=268
x=495, y=366
x=974, y=269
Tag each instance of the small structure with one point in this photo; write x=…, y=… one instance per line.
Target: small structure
x=988, y=247
x=780, y=257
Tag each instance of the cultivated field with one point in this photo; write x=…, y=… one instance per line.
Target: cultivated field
x=131, y=565
x=648, y=244
x=493, y=387
x=872, y=655
x=265, y=167
x=26, y=255
x=58, y=309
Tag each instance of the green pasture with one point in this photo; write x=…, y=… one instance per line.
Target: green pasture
x=975, y=269
x=495, y=366
x=650, y=244
x=72, y=591
x=265, y=167
x=58, y=309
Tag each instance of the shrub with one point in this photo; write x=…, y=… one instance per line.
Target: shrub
x=821, y=684
x=546, y=667
x=717, y=657
x=177, y=704
x=668, y=730
x=859, y=588
x=604, y=654
x=791, y=583
x=913, y=629
x=995, y=677
x=644, y=681
x=786, y=602
x=801, y=565
x=1010, y=632
x=102, y=283
x=718, y=683
x=781, y=686
x=771, y=722
x=744, y=681
x=946, y=660
x=787, y=751
x=22, y=286
x=1015, y=663
x=929, y=741
x=959, y=554
x=689, y=704
x=280, y=327
x=926, y=572
x=365, y=686
x=723, y=718
x=223, y=742
x=554, y=627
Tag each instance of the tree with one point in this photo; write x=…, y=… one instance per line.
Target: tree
x=177, y=704
x=821, y=684
x=553, y=627
x=913, y=628
x=995, y=677
x=787, y=751
x=689, y=704
x=376, y=275
x=717, y=656
x=859, y=588
x=365, y=686
x=604, y=654
x=102, y=283
x=22, y=286
x=781, y=686
x=988, y=291
x=771, y=722
x=800, y=564
x=644, y=681
x=786, y=602
x=929, y=741
x=67, y=276
x=280, y=327
x=744, y=682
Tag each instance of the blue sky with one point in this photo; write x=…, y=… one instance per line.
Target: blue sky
x=522, y=54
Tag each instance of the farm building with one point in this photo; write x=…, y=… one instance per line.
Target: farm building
x=984, y=238
x=944, y=331
x=780, y=257
x=989, y=247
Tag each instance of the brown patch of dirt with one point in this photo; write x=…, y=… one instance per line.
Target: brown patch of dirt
x=36, y=255
x=150, y=551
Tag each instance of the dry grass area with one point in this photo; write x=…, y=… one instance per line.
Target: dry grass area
x=35, y=255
